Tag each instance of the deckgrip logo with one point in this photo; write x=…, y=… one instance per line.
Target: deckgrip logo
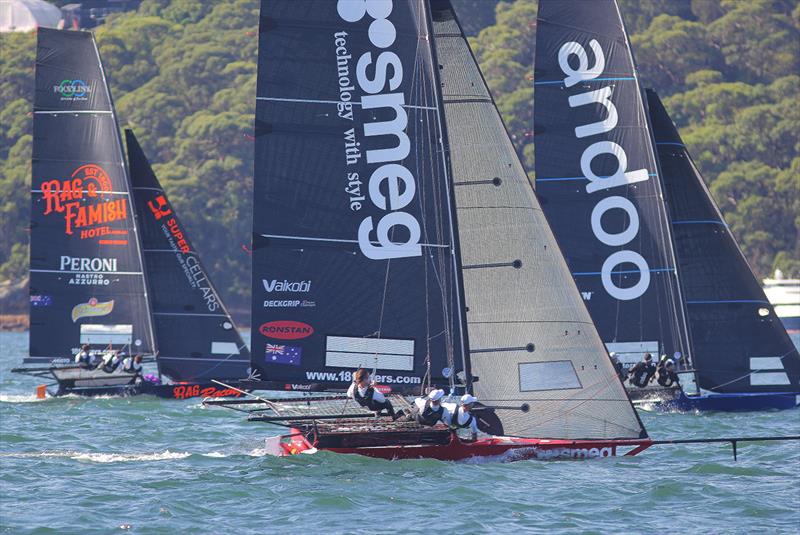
x=622, y=177
x=400, y=183
x=286, y=330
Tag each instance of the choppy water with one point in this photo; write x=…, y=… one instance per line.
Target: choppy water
x=142, y=465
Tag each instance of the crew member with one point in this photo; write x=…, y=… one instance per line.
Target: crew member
x=429, y=410
x=112, y=361
x=617, y=366
x=642, y=372
x=132, y=365
x=364, y=393
x=462, y=417
x=83, y=359
x=667, y=375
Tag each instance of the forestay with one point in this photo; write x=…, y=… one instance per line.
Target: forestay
x=197, y=338
x=740, y=345
x=531, y=339
x=87, y=284
x=597, y=177
x=353, y=254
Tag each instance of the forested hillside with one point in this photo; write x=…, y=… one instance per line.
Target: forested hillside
x=183, y=77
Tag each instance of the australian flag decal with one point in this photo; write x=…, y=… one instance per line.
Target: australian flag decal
x=280, y=354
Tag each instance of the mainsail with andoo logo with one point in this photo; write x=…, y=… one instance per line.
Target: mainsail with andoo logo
x=740, y=345
x=87, y=283
x=354, y=260
x=197, y=338
x=597, y=178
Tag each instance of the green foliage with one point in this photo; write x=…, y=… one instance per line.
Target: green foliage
x=183, y=76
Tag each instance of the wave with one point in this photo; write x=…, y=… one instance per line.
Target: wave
x=19, y=398
x=101, y=457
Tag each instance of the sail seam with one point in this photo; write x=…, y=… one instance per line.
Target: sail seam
x=338, y=240
x=64, y=112
x=354, y=102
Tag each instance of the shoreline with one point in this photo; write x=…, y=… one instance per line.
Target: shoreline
x=14, y=322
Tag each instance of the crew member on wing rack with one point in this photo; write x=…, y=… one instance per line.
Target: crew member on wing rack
x=83, y=359
x=462, y=417
x=429, y=410
x=641, y=373
x=132, y=365
x=666, y=374
x=365, y=395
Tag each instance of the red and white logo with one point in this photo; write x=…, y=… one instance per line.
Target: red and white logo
x=161, y=208
x=286, y=330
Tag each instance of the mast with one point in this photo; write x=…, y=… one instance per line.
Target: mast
x=596, y=175
x=533, y=347
x=740, y=343
x=184, y=298
x=87, y=278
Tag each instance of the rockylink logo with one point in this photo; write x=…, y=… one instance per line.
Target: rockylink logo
x=72, y=89
x=384, y=92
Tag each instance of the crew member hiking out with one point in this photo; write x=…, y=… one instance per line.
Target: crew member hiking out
x=666, y=374
x=642, y=372
x=429, y=410
x=462, y=417
x=364, y=393
x=132, y=365
x=83, y=359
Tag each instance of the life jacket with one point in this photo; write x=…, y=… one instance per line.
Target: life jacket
x=641, y=373
x=454, y=420
x=82, y=358
x=429, y=416
x=366, y=400
x=130, y=365
x=667, y=378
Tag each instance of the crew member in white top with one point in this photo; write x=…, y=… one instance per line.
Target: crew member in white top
x=83, y=359
x=429, y=410
x=132, y=365
x=365, y=394
x=462, y=418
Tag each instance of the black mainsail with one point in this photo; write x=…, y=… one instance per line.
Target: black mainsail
x=597, y=178
x=354, y=261
x=197, y=338
x=87, y=281
x=531, y=339
x=740, y=345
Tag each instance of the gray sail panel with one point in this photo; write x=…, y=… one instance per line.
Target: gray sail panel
x=531, y=339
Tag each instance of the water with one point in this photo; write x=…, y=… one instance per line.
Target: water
x=142, y=465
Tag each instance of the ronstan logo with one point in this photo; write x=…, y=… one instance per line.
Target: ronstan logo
x=286, y=330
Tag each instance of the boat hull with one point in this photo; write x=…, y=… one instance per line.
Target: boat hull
x=735, y=402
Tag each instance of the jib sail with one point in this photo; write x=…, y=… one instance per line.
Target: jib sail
x=532, y=342
x=197, y=338
x=740, y=345
x=353, y=255
x=597, y=178
x=87, y=283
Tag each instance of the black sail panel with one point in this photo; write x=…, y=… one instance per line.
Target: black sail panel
x=353, y=263
x=197, y=339
x=531, y=340
x=739, y=344
x=597, y=178
x=87, y=284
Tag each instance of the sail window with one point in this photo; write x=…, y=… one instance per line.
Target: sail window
x=224, y=348
x=552, y=375
x=113, y=335
x=379, y=353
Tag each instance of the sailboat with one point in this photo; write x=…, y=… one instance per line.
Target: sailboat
x=599, y=181
x=395, y=218
x=92, y=281
x=745, y=359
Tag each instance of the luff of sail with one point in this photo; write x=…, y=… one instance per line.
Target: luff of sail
x=352, y=259
x=531, y=339
x=87, y=281
x=597, y=178
x=740, y=345
x=197, y=337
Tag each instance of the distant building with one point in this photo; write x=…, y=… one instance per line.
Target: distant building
x=27, y=15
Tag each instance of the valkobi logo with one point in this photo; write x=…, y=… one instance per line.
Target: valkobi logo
x=570, y=56
x=380, y=79
x=276, y=285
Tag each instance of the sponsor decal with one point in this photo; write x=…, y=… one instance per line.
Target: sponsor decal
x=41, y=300
x=291, y=386
x=574, y=62
x=192, y=391
x=286, y=330
x=574, y=453
x=91, y=271
x=92, y=309
x=85, y=204
x=72, y=90
x=160, y=208
x=280, y=354
x=379, y=74
x=288, y=303
x=383, y=389
x=276, y=285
